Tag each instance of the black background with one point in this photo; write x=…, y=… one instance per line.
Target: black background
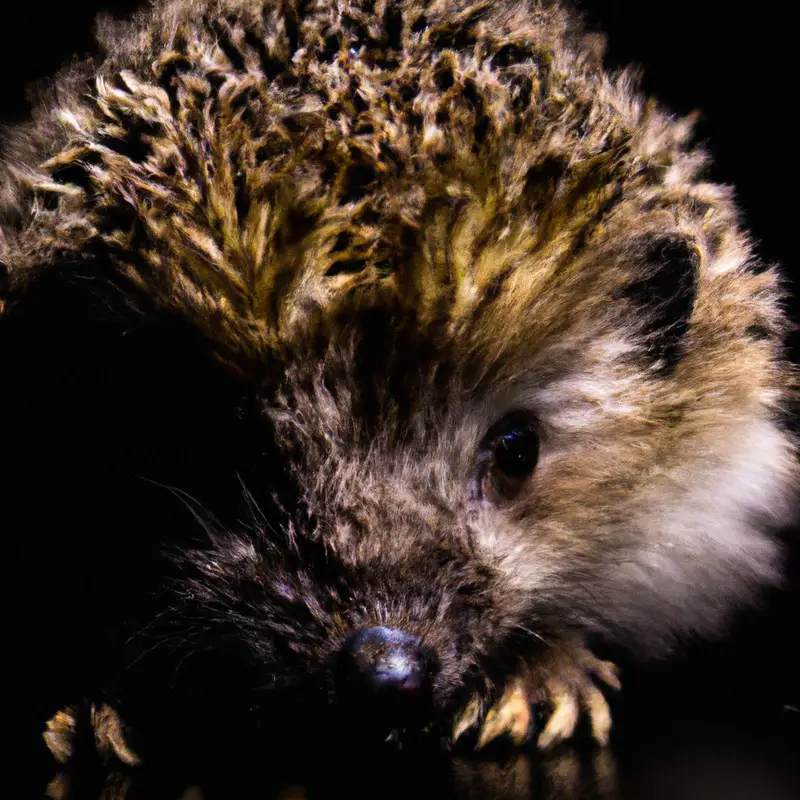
x=719, y=721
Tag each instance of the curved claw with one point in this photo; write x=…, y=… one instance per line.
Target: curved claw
x=469, y=718
x=562, y=722
x=511, y=716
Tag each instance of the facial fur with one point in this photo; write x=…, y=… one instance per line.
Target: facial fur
x=388, y=226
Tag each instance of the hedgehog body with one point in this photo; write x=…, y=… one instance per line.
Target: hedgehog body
x=429, y=323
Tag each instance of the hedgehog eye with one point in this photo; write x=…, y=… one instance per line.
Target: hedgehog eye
x=510, y=452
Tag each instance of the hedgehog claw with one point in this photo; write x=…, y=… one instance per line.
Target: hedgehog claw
x=469, y=718
x=511, y=717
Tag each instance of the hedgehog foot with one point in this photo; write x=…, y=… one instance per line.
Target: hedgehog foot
x=67, y=729
x=565, y=680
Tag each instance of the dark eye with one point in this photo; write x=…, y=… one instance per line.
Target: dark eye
x=510, y=452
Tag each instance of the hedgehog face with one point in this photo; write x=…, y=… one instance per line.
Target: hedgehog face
x=482, y=497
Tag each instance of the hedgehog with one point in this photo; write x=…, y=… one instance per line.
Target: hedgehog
x=384, y=356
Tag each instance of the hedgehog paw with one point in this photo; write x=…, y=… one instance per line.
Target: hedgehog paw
x=66, y=730
x=565, y=680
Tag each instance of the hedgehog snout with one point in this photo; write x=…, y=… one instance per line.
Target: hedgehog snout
x=385, y=675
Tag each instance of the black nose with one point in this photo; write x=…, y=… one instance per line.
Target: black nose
x=384, y=661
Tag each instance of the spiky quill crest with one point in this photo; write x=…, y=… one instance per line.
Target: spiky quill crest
x=392, y=222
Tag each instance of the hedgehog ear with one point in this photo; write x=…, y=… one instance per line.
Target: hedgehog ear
x=663, y=291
